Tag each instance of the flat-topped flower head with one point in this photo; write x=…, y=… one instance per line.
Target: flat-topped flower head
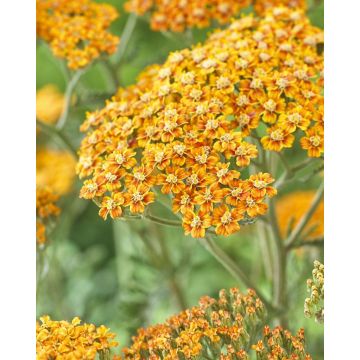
x=76, y=30
x=196, y=121
x=71, y=340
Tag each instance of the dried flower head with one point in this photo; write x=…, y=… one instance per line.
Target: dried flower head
x=214, y=328
x=46, y=210
x=179, y=15
x=314, y=305
x=190, y=125
x=55, y=169
x=67, y=341
x=76, y=30
x=292, y=207
x=49, y=104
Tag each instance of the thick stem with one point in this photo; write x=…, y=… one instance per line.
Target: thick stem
x=232, y=267
x=58, y=135
x=68, y=95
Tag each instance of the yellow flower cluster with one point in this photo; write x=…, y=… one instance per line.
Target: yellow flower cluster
x=218, y=329
x=191, y=124
x=62, y=340
x=45, y=210
x=314, y=305
x=280, y=344
x=178, y=15
x=76, y=30
x=292, y=207
x=49, y=104
x=55, y=169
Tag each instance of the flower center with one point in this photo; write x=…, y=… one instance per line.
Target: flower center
x=120, y=159
x=179, y=149
x=212, y=124
x=139, y=176
x=201, y=159
x=222, y=82
x=222, y=172
x=137, y=196
x=110, y=177
x=277, y=135
x=172, y=179
x=270, y=105
x=159, y=156
x=185, y=199
x=315, y=140
x=244, y=119
x=240, y=150
x=295, y=118
x=226, y=218
x=259, y=184
x=196, y=222
x=193, y=179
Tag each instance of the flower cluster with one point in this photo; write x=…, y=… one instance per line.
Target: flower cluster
x=62, y=340
x=261, y=6
x=76, y=30
x=292, y=207
x=55, y=169
x=222, y=329
x=280, y=344
x=219, y=329
x=49, y=104
x=191, y=124
x=314, y=305
x=45, y=210
x=178, y=15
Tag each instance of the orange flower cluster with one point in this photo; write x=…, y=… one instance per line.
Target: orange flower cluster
x=261, y=6
x=45, y=210
x=62, y=340
x=178, y=15
x=216, y=329
x=76, y=30
x=280, y=344
x=184, y=125
x=49, y=104
x=292, y=207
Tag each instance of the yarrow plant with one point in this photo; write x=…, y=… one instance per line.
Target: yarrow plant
x=192, y=124
x=314, y=305
x=68, y=341
x=76, y=30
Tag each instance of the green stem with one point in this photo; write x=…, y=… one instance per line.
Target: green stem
x=279, y=265
x=316, y=242
x=68, y=95
x=58, y=135
x=125, y=37
x=295, y=234
x=232, y=267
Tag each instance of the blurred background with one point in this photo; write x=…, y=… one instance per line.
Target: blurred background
x=131, y=274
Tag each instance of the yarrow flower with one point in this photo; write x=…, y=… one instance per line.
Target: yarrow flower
x=76, y=30
x=46, y=210
x=190, y=126
x=223, y=328
x=314, y=305
x=55, y=169
x=291, y=208
x=178, y=15
x=67, y=341
x=49, y=104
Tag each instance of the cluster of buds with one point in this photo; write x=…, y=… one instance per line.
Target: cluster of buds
x=314, y=305
x=76, y=30
x=228, y=329
x=216, y=329
x=179, y=15
x=68, y=341
x=191, y=124
x=46, y=210
x=280, y=344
